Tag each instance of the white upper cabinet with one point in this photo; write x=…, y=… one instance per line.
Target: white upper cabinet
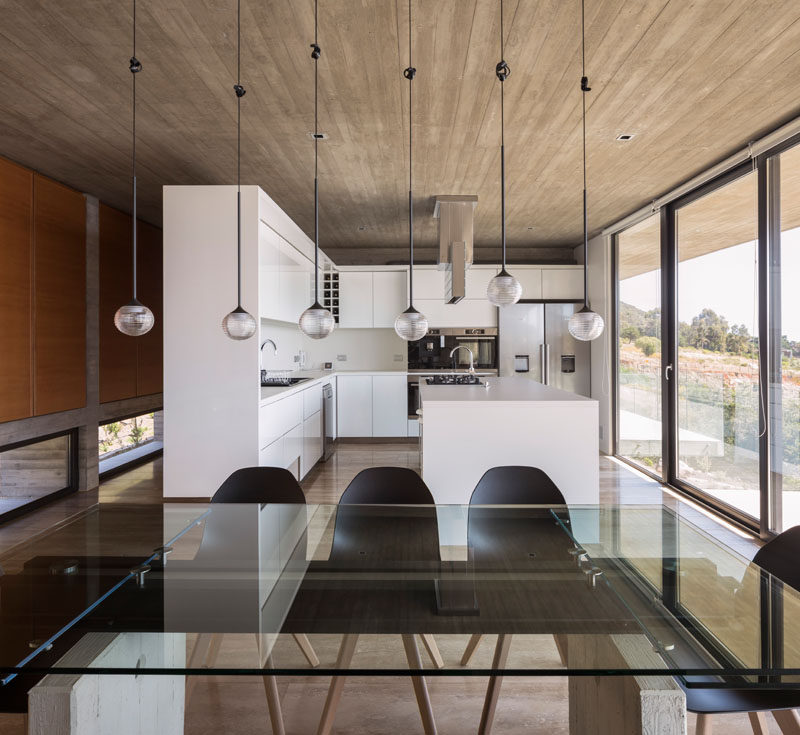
x=428, y=283
x=531, y=281
x=477, y=281
x=466, y=313
x=296, y=279
x=562, y=283
x=388, y=297
x=268, y=272
x=355, y=299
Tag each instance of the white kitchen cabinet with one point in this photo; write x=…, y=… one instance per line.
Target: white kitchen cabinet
x=562, y=283
x=413, y=427
x=293, y=448
x=354, y=405
x=355, y=299
x=272, y=454
x=466, y=313
x=428, y=283
x=477, y=281
x=275, y=419
x=269, y=272
x=312, y=400
x=388, y=297
x=389, y=405
x=295, y=273
x=312, y=443
x=531, y=281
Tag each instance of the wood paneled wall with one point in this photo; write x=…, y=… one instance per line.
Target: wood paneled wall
x=129, y=366
x=59, y=297
x=16, y=262
x=42, y=295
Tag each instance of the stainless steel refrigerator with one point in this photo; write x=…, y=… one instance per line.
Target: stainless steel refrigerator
x=535, y=343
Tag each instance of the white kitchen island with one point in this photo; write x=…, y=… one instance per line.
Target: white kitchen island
x=515, y=421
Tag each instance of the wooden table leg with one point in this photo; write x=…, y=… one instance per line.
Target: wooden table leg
x=474, y=642
x=788, y=721
x=758, y=721
x=704, y=725
x=273, y=701
x=433, y=650
x=346, y=651
x=197, y=658
x=305, y=646
x=493, y=690
x=420, y=687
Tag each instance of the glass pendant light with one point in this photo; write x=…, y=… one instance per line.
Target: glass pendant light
x=411, y=325
x=134, y=318
x=316, y=321
x=503, y=289
x=585, y=324
x=239, y=324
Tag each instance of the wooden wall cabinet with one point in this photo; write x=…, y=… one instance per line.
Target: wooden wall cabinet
x=16, y=262
x=59, y=297
x=129, y=366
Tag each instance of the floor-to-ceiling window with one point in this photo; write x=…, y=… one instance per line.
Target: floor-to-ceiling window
x=785, y=387
x=707, y=334
x=639, y=414
x=717, y=366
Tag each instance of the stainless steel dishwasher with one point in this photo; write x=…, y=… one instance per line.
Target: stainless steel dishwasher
x=328, y=418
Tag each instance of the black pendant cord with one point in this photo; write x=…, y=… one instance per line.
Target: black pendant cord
x=409, y=73
x=315, y=54
x=502, y=71
x=585, y=88
x=240, y=92
x=135, y=67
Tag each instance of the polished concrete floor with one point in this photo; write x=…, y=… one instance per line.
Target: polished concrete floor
x=370, y=704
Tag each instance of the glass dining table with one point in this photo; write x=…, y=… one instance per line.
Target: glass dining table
x=118, y=613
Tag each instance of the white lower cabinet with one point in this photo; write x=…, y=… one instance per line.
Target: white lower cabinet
x=413, y=427
x=293, y=448
x=389, y=405
x=354, y=405
x=272, y=454
x=312, y=443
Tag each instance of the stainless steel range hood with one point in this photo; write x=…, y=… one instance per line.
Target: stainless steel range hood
x=455, y=214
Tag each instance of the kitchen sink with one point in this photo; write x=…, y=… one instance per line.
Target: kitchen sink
x=282, y=382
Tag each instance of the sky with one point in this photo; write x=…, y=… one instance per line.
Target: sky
x=725, y=281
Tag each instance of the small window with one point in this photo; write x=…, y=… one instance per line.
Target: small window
x=126, y=440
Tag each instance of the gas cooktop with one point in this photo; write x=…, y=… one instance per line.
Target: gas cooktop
x=466, y=379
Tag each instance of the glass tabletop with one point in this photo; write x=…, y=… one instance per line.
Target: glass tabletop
x=318, y=589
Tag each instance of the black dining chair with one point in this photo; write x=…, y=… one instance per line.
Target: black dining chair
x=779, y=558
x=506, y=485
x=254, y=485
x=360, y=530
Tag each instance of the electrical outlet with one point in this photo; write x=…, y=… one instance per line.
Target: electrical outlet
x=398, y=358
x=297, y=358
x=341, y=358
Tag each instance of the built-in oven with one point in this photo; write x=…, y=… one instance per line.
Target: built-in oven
x=432, y=352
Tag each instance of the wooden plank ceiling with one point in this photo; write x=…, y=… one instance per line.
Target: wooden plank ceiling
x=692, y=80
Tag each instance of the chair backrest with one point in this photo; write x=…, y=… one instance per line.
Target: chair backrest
x=260, y=485
x=387, y=486
x=516, y=485
x=779, y=557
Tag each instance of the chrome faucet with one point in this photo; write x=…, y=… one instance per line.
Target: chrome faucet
x=266, y=342
x=471, y=356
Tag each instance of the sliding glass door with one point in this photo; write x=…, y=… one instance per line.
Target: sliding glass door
x=717, y=365
x=639, y=414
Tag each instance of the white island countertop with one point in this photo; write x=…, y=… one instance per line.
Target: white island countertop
x=500, y=390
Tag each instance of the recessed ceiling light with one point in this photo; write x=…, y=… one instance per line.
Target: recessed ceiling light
x=625, y=137
x=361, y=228
x=530, y=228
x=318, y=136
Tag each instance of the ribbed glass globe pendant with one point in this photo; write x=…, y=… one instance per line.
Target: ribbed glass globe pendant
x=411, y=325
x=585, y=325
x=503, y=289
x=316, y=321
x=134, y=318
x=239, y=324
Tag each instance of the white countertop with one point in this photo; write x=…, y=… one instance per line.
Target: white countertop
x=501, y=390
x=272, y=394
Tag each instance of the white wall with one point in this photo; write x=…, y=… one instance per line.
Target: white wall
x=366, y=349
